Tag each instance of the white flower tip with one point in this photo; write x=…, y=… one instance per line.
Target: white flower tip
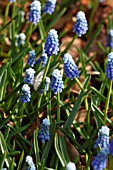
x=70, y=166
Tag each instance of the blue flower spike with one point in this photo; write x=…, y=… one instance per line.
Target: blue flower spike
x=100, y=161
x=110, y=39
x=49, y=7
x=44, y=131
x=70, y=68
x=35, y=12
x=26, y=94
x=56, y=82
x=81, y=26
x=109, y=68
x=103, y=137
x=52, y=43
x=32, y=59
x=43, y=58
x=11, y=1
x=29, y=77
x=111, y=147
x=29, y=163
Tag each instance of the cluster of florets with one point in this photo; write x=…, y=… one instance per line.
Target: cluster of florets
x=56, y=82
x=109, y=68
x=70, y=69
x=26, y=94
x=70, y=166
x=49, y=6
x=100, y=161
x=11, y=0
x=35, y=12
x=29, y=77
x=29, y=163
x=103, y=137
x=81, y=25
x=110, y=39
x=52, y=43
x=43, y=58
x=20, y=39
x=44, y=131
x=32, y=59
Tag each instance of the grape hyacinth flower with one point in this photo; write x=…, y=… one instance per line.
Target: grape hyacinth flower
x=29, y=163
x=56, y=82
x=29, y=78
x=26, y=94
x=109, y=68
x=70, y=166
x=43, y=58
x=20, y=39
x=70, y=69
x=47, y=83
x=100, y=161
x=49, y=6
x=101, y=0
x=52, y=43
x=35, y=12
x=111, y=147
x=110, y=39
x=81, y=26
x=32, y=59
x=44, y=131
x=11, y=0
x=103, y=137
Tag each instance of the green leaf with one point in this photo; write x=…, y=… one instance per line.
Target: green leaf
x=36, y=148
x=2, y=160
x=59, y=153
x=93, y=38
x=63, y=148
x=5, y=121
x=20, y=161
x=4, y=149
x=55, y=19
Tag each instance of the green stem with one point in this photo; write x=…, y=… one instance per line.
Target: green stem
x=58, y=106
x=49, y=107
x=29, y=32
x=81, y=87
x=107, y=102
x=45, y=73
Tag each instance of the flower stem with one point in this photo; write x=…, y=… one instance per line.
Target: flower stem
x=58, y=106
x=29, y=32
x=107, y=102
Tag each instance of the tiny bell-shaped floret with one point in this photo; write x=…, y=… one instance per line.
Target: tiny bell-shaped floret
x=70, y=166
x=110, y=39
x=111, y=147
x=26, y=94
x=32, y=59
x=100, y=161
x=70, y=69
x=20, y=39
x=29, y=77
x=43, y=58
x=81, y=26
x=56, y=82
x=11, y=0
x=52, y=43
x=49, y=6
x=103, y=137
x=109, y=68
x=44, y=131
x=35, y=12
x=29, y=163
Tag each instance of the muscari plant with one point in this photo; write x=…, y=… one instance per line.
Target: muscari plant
x=38, y=127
